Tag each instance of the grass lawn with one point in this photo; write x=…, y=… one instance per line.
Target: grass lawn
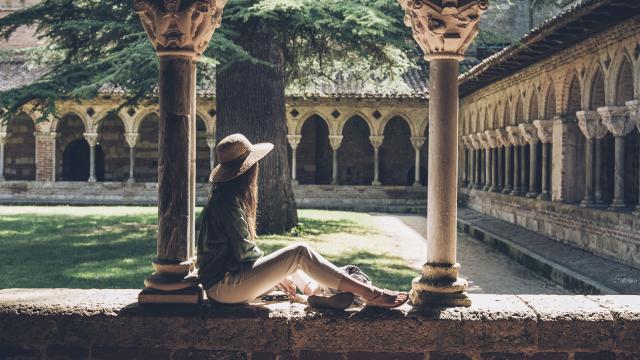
x=112, y=247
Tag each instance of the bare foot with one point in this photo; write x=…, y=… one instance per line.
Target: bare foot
x=386, y=299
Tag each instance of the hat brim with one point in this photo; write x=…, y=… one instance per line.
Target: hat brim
x=226, y=172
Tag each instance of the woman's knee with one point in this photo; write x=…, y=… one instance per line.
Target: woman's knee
x=300, y=249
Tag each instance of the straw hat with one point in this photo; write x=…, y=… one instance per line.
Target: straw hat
x=236, y=154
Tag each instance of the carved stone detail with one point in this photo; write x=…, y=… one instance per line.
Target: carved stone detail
x=92, y=138
x=634, y=111
x=529, y=133
x=211, y=141
x=616, y=119
x=3, y=137
x=492, y=138
x=484, y=141
x=174, y=28
x=591, y=125
x=132, y=139
x=503, y=137
x=417, y=142
x=467, y=143
x=443, y=29
x=335, y=141
x=376, y=141
x=545, y=130
x=514, y=136
x=475, y=141
x=294, y=140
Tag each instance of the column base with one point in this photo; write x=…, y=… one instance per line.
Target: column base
x=439, y=286
x=191, y=295
x=636, y=211
x=544, y=196
x=618, y=205
x=486, y=188
x=477, y=187
x=587, y=203
x=376, y=183
x=334, y=183
x=417, y=184
x=91, y=180
x=532, y=194
x=507, y=190
x=493, y=189
x=131, y=181
x=294, y=182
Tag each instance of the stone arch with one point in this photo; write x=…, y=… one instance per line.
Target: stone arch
x=55, y=123
x=519, y=111
x=533, y=105
x=207, y=122
x=141, y=116
x=576, y=169
x=360, y=115
x=506, y=115
x=622, y=81
x=572, y=96
x=549, y=98
x=314, y=153
x=70, y=128
x=355, y=156
x=397, y=157
x=147, y=148
x=496, y=117
x=20, y=148
x=203, y=165
x=309, y=115
x=595, y=88
x=111, y=131
x=392, y=116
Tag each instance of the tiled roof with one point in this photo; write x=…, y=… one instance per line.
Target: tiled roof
x=15, y=73
x=571, y=26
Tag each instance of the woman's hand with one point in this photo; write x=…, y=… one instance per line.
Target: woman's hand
x=287, y=285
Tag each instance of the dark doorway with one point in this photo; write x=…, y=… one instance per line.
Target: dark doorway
x=75, y=161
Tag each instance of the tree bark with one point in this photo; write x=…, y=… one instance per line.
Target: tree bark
x=250, y=100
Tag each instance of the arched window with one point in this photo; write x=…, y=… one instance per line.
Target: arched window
x=314, y=153
x=397, y=157
x=20, y=149
x=111, y=138
x=147, y=150
x=355, y=156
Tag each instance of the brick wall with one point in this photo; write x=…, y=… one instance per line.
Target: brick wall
x=20, y=149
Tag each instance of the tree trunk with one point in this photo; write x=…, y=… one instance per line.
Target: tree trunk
x=250, y=100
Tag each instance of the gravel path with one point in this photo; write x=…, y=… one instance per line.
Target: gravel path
x=486, y=270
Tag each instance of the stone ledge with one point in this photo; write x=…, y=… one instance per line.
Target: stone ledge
x=39, y=320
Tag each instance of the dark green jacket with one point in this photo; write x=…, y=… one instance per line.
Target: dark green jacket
x=223, y=241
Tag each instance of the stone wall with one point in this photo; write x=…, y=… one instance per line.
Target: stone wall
x=396, y=199
x=108, y=324
x=613, y=235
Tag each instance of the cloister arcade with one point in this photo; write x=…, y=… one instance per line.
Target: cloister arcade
x=373, y=145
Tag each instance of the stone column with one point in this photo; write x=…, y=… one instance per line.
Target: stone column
x=465, y=160
x=335, y=141
x=618, y=122
x=592, y=128
x=132, y=141
x=486, y=174
x=473, y=176
x=634, y=115
x=92, y=139
x=493, y=170
x=443, y=31
x=3, y=140
x=376, y=142
x=517, y=141
x=545, y=130
x=530, y=134
x=294, y=141
x=180, y=33
x=45, y=156
x=477, y=164
x=503, y=144
x=417, y=142
x=211, y=143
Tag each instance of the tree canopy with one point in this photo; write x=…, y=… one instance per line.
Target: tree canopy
x=98, y=45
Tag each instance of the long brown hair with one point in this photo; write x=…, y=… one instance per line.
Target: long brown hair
x=246, y=187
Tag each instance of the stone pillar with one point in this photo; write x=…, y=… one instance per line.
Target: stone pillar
x=444, y=45
x=486, y=175
x=180, y=33
x=417, y=142
x=517, y=141
x=92, y=139
x=592, y=128
x=503, y=143
x=132, y=141
x=474, y=171
x=3, y=140
x=211, y=143
x=530, y=134
x=294, y=141
x=493, y=143
x=335, y=141
x=376, y=142
x=45, y=156
x=597, y=174
x=634, y=115
x=545, y=129
x=618, y=122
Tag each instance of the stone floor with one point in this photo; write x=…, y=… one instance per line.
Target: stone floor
x=486, y=270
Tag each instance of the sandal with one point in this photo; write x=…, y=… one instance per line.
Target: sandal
x=376, y=299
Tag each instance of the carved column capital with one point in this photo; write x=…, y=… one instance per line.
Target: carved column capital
x=503, y=137
x=591, y=125
x=3, y=137
x=545, y=130
x=211, y=141
x=616, y=119
x=132, y=139
x=178, y=27
x=442, y=28
x=376, y=141
x=634, y=111
x=515, y=136
x=492, y=138
x=294, y=140
x=417, y=142
x=466, y=141
x=484, y=141
x=475, y=141
x=335, y=141
x=529, y=133
x=92, y=138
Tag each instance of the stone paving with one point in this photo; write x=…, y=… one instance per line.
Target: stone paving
x=486, y=270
